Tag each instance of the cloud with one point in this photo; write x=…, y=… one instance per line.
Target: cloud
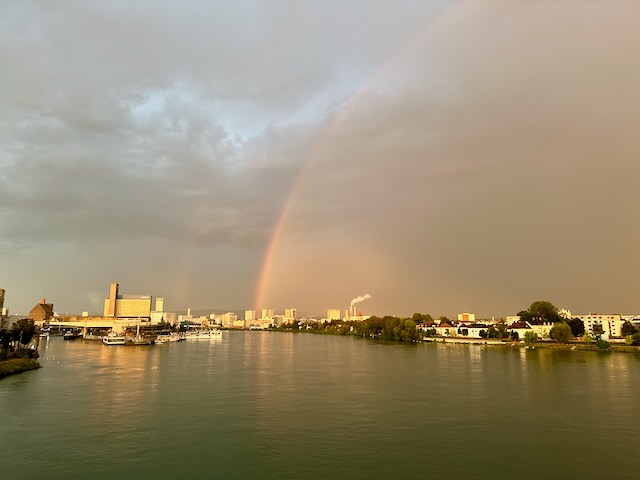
x=442, y=156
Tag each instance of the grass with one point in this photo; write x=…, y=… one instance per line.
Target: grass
x=17, y=365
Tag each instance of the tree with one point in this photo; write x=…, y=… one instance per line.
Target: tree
x=514, y=336
x=430, y=332
x=502, y=329
x=628, y=328
x=483, y=333
x=5, y=339
x=577, y=327
x=492, y=332
x=603, y=344
x=23, y=330
x=587, y=339
x=530, y=337
x=525, y=316
x=421, y=318
x=544, y=312
x=560, y=332
x=597, y=330
x=635, y=339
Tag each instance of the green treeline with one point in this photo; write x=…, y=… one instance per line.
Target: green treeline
x=386, y=328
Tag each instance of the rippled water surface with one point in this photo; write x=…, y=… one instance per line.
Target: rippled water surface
x=264, y=405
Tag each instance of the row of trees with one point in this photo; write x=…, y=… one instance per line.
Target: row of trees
x=385, y=328
x=17, y=337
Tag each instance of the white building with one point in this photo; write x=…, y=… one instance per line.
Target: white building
x=157, y=315
x=565, y=313
x=611, y=324
x=290, y=313
x=229, y=319
x=333, y=314
x=267, y=314
x=249, y=315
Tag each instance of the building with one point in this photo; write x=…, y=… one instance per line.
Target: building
x=333, y=314
x=157, y=315
x=229, y=319
x=249, y=315
x=290, y=313
x=127, y=306
x=606, y=325
x=4, y=312
x=42, y=312
x=267, y=314
x=467, y=317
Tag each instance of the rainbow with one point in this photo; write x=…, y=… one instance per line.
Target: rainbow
x=348, y=106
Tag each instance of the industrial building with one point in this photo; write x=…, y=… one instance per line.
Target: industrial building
x=128, y=306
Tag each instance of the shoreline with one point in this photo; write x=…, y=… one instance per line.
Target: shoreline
x=490, y=342
x=15, y=366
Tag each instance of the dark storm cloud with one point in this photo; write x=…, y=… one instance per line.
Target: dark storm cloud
x=444, y=148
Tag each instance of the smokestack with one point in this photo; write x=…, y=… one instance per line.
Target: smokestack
x=353, y=310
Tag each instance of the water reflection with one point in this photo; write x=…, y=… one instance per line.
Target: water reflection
x=334, y=403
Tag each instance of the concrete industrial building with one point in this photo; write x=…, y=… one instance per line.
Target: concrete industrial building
x=127, y=306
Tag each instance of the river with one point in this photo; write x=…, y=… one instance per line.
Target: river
x=270, y=405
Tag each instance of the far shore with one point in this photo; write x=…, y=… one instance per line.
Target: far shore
x=591, y=347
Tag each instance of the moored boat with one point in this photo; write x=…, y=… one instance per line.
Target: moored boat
x=168, y=337
x=203, y=335
x=114, y=340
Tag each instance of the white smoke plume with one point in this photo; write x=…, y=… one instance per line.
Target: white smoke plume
x=361, y=298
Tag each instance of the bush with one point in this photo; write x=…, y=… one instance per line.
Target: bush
x=530, y=337
x=603, y=344
x=561, y=332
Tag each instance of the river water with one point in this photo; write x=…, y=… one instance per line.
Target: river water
x=270, y=405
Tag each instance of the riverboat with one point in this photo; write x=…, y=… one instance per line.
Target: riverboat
x=171, y=337
x=71, y=336
x=114, y=340
x=203, y=335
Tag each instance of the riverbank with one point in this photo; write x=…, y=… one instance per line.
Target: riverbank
x=17, y=365
x=574, y=346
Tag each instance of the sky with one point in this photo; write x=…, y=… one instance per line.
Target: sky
x=442, y=156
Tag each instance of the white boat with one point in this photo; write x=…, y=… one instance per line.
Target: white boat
x=203, y=335
x=114, y=340
x=169, y=337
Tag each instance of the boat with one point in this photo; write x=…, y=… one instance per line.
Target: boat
x=71, y=336
x=114, y=340
x=168, y=337
x=203, y=335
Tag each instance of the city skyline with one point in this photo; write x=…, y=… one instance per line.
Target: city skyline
x=442, y=156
